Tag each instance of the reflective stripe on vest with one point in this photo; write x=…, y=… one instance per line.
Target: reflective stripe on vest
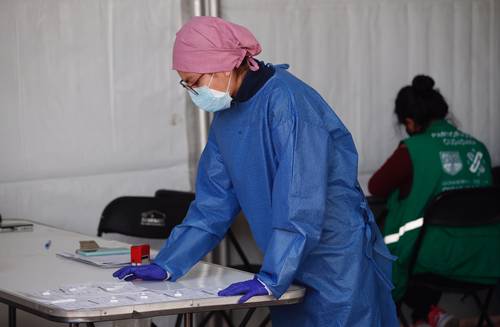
x=411, y=225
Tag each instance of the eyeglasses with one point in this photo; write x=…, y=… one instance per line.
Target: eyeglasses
x=187, y=87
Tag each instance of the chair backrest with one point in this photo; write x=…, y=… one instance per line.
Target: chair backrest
x=468, y=207
x=496, y=175
x=464, y=208
x=142, y=216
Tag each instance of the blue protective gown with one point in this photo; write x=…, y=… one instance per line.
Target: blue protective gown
x=286, y=160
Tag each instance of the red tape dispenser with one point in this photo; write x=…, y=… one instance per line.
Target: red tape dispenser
x=139, y=254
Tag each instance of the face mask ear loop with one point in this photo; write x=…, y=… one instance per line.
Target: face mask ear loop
x=229, y=83
x=210, y=82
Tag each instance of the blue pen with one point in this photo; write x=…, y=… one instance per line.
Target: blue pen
x=47, y=244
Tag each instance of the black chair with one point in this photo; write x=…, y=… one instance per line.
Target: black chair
x=143, y=216
x=146, y=217
x=470, y=207
x=496, y=175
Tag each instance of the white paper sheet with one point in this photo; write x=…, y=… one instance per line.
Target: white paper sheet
x=187, y=293
x=110, y=294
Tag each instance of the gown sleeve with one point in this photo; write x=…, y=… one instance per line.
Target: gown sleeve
x=298, y=201
x=208, y=218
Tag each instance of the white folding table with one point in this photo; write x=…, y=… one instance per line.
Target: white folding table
x=27, y=265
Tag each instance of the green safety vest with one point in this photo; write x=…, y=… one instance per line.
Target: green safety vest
x=443, y=158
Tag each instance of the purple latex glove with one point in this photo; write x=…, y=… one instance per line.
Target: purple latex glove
x=248, y=289
x=144, y=272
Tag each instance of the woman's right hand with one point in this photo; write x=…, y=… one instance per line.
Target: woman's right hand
x=144, y=272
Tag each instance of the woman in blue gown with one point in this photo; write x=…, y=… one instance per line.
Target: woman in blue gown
x=278, y=152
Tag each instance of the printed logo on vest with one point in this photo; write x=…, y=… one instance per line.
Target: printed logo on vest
x=451, y=162
x=475, y=162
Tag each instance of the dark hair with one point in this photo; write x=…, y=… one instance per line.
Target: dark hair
x=421, y=102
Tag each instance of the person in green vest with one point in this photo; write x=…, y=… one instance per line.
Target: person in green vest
x=436, y=157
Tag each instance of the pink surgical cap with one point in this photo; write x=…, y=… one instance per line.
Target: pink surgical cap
x=210, y=44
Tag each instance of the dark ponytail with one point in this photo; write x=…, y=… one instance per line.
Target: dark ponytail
x=421, y=102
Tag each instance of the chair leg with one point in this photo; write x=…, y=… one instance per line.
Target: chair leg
x=12, y=316
x=206, y=319
x=188, y=319
x=178, y=321
x=265, y=321
x=486, y=306
x=224, y=315
x=483, y=308
x=401, y=316
x=227, y=319
x=247, y=317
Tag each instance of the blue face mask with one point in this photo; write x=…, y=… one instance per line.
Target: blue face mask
x=211, y=100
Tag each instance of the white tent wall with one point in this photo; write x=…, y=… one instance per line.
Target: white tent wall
x=89, y=108
x=359, y=53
